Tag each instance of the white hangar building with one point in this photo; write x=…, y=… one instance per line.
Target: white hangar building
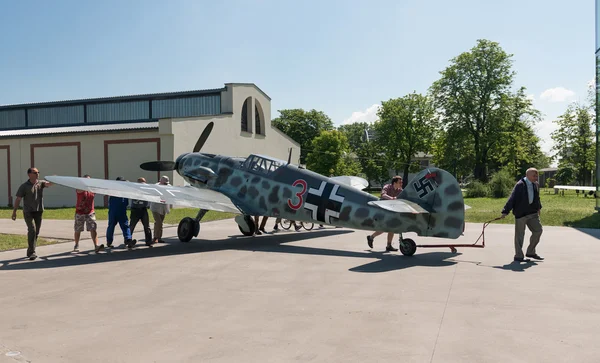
x=110, y=137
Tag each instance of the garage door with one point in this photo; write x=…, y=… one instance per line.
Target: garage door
x=123, y=158
x=58, y=159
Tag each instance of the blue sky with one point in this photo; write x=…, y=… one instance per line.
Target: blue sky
x=340, y=57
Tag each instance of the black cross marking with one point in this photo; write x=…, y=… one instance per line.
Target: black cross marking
x=422, y=185
x=324, y=203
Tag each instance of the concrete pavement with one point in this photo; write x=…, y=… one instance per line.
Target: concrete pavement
x=319, y=296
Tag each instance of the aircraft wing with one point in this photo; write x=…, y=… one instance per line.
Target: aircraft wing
x=353, y=181
x=399, y=206
x=187, y=196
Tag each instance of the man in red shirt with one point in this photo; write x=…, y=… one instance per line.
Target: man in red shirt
x=85, y=214
x=389, y=191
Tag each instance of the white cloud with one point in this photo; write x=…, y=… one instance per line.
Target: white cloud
x=369, y=115
x=557, y=94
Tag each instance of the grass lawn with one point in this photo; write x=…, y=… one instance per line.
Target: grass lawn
x=174, y=217
x=11, y=242
x=557, y=210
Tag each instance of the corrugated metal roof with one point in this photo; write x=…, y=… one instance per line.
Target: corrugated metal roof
x=80, y=129
x=146, y=96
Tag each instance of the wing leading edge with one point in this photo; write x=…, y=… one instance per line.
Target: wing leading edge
x=187, y=196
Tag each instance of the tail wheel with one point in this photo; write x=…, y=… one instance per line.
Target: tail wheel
x=308, y=226
x=408, y=247
x=286, y=223
x=188, y=227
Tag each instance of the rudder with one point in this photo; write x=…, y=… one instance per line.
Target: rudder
x=438, y=191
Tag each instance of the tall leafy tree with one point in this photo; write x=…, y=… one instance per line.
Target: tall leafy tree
x=369, y=153
x=518, y=147
x=470, y=96
x=354, y=133
x=303, y=127
x=329, y=155
x=575, y=142
x=405, y=127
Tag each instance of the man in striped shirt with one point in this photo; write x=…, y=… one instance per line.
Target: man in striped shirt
x=389, y=191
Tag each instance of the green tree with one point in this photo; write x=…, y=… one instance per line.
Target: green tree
x=303, y=127
x=354, y=133
x=405, y=127
x=369, y=153
x=575, y=142
x=471, y=96
x=518, y=147
x=329, y=155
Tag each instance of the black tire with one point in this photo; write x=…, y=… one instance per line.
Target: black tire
x=286, y=223
x=251, y=224
x=308, y=226
x=186, y=229
x=408, y=247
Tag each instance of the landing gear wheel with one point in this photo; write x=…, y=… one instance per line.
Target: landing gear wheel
x=308, y=226
x=408, y=247
x=188, y=227
x=251, y=224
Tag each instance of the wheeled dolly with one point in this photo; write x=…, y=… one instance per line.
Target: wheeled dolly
x=408, y=247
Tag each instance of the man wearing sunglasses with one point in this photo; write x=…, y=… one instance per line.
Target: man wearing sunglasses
x=32, y=193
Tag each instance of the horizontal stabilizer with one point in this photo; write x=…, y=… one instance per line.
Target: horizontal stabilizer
x=353, y=181
x=399, y=206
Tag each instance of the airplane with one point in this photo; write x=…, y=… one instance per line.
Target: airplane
x=430, y=205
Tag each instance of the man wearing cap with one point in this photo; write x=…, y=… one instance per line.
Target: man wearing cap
x=139, y=212
x=117, y=213
x=159, y=211
x=32, y=193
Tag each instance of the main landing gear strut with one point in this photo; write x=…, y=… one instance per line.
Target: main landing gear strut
x=190, y=227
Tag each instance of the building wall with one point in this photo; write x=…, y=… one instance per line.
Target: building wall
x=119, y=153
x=102, y=155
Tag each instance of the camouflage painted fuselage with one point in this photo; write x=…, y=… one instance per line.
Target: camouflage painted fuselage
x=290, y=192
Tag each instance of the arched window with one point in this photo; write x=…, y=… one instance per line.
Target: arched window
x=259, y=118
x=245, y=115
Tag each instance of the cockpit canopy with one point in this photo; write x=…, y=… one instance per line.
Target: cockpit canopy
x=262, y=164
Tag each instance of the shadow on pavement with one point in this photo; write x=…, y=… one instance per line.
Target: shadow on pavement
x=275, y=243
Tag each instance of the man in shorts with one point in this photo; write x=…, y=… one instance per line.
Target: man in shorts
x=85, y=214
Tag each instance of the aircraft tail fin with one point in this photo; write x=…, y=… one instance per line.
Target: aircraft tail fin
x=437, y=190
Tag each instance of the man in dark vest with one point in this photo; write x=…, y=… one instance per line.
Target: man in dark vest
x=524, y=201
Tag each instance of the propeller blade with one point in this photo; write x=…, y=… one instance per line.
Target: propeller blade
x=203, y=137
x=158, y=166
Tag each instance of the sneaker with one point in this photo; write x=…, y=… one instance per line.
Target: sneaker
x=99, y=248
x=76, y=248
x=33, y=257
x=390, y=248
x=370, y=241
